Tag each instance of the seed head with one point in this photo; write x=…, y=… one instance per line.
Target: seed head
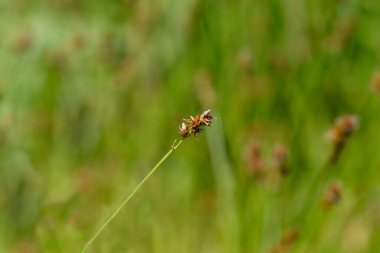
x=332, y=195
x=288, y=239
x=280, y=157
x=255, y=161
x=183, y=130
x=193, y=125
x=343, y=128
x=340, y=133
x=206, y=118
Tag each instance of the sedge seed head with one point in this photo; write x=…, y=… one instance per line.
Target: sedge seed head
x=184, y=131
x=332, y=195
x=343, y=128
x=194, y=125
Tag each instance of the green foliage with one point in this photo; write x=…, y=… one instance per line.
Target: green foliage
x=92, y=93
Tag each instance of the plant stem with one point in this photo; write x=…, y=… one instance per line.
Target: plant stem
x=126, y=200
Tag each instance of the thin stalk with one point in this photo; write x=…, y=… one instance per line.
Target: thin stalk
x=126, y=200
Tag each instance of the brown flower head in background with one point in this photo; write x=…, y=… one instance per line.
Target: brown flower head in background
x=287, y=241
x=343, y=128
x=194, y=125
x=332, y=195
x=254, y=159
x=280, y=157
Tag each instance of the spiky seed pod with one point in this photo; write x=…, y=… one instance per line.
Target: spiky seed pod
x=184, y=130
x=206, y=118
x=193, y=125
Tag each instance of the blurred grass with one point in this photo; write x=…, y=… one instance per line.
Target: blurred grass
x=92, y=92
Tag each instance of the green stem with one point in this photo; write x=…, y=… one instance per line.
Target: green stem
x=126, y=200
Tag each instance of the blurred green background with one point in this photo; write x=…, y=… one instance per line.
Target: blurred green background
x=92, y=93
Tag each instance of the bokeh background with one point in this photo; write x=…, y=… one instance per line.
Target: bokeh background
x=92, y=93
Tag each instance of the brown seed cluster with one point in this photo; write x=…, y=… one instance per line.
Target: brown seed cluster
x=194, y=125
x=340, y=132
x=287, y=241
x=343, y=128
x=259, y=167
x=332, y=195
x=255, y=161
x=280, y=157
